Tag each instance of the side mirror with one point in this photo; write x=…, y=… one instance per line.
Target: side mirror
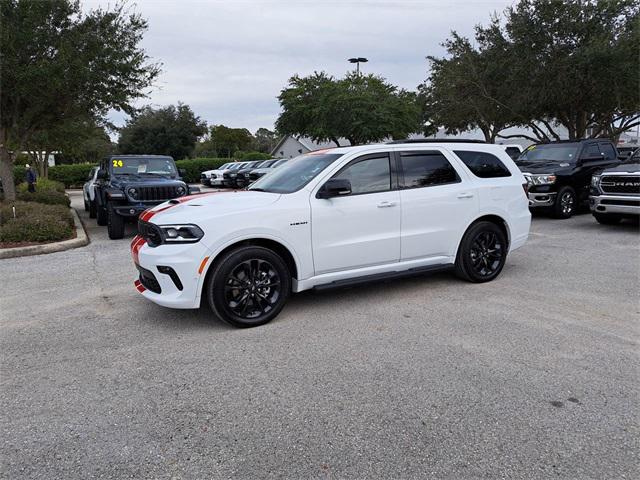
x=335, y=187
x=182, y=172
x=102, y=174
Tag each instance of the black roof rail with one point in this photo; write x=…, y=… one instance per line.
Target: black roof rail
x=434, y=140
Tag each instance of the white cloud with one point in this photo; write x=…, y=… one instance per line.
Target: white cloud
x=229, y=59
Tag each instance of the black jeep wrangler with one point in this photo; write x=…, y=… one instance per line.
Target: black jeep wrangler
x=559, y=173
x=127, y=185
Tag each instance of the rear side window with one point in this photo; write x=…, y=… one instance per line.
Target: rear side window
x=513, y=152
x=483, y=164
x=591, y=151
x=426, y=169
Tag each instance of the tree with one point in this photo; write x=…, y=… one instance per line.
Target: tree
x=165, y=131
x=264, y=140
x=545, y=64
x=360, y=108
x=461, y=91
x=59, y=64
x=226, y=141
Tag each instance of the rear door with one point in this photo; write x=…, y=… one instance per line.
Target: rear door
x=361, y=229
x=437, y=201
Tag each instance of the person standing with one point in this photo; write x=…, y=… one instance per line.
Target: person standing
x=30, y=178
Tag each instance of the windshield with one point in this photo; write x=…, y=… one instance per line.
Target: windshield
x=143, y=166
x=296, y=173
x=265, y=164
x=280, y=162
x=564, y=152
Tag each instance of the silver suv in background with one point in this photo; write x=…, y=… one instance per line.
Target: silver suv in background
x=615, y=193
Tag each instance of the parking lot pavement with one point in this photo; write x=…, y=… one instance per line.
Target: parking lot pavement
x=534, y=375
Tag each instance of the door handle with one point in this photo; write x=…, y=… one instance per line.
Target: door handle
x=465, y=195
x=386, y=204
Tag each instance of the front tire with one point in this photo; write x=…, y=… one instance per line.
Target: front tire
x=482, y=253
x=607, y=218
x=115, y=224
x=248, y=286
x=101, y=215
x=566, y=202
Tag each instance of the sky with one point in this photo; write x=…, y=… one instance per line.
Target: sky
x=230, y=59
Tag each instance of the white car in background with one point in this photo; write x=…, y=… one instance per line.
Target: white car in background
x=332, y=218
x=89, y=192
x=213, y=178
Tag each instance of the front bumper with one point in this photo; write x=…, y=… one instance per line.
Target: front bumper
x=618, y=204
x=186, y=261
x=542, y=199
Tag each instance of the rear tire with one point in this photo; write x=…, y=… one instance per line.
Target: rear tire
x=482, y=253
x=566, y=203
x=607, y=218
x=92, y=209
x=248, y=286
x=115, y=224
x=101, y=215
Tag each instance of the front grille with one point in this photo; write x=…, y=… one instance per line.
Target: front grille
x=620, y=184
x=149, y=194
x=150, y=232
x=626, y=203
x=148, y=280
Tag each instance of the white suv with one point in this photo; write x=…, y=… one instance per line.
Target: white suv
x=331, y=218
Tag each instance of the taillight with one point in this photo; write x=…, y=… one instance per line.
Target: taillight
x=525, y=187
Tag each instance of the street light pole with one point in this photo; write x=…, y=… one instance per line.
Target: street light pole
x=357, y=61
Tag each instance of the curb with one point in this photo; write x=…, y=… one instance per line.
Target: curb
x=80, y=241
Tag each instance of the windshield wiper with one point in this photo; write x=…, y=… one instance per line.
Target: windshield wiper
x=257, y=189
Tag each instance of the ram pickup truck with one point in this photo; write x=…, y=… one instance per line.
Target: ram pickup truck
x=615, y=193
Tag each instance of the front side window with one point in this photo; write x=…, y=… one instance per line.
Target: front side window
x=426, y=169
x=591, y=151
x=142, y=166
x=296, y=173
x=483, y=164
x=608, y=151
x=368, y=175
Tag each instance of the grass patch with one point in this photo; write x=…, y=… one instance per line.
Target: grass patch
x=34, y=223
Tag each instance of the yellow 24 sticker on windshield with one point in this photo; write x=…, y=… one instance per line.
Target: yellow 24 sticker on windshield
x=117, y=163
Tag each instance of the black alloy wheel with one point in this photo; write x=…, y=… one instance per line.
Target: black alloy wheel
x=249, y=286
x=482, y=252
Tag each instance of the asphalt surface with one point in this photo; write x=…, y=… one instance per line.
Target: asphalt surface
x=534, y=375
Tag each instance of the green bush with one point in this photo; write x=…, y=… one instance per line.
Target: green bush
x=249, y=156
x=73, y=175
x=35, y=222
x=195, y=166
x=49, y=197
x=43, y=184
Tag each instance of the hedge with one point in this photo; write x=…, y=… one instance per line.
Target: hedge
x=195, y=166
x=34, y=222
x=250, y=156
x=47, y=192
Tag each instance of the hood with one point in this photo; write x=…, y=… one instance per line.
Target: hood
x=261, y=170
x=544, y=166
x=209, y=172
x=145, y=181
x=624, y=168
x=192, y=208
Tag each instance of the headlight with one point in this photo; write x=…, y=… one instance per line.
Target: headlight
x=132, y=192
x=184, y=233
x=213, y=175
x=541, y=179
x=595, y=180
x=181, y=191
x=233, y=174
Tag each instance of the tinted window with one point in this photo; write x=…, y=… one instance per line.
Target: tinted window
x=483, y=165
x=423, y=169
x=368, y=175
x=608, y=150
x=143, y=166
x=591, y=151
x=513, y=152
